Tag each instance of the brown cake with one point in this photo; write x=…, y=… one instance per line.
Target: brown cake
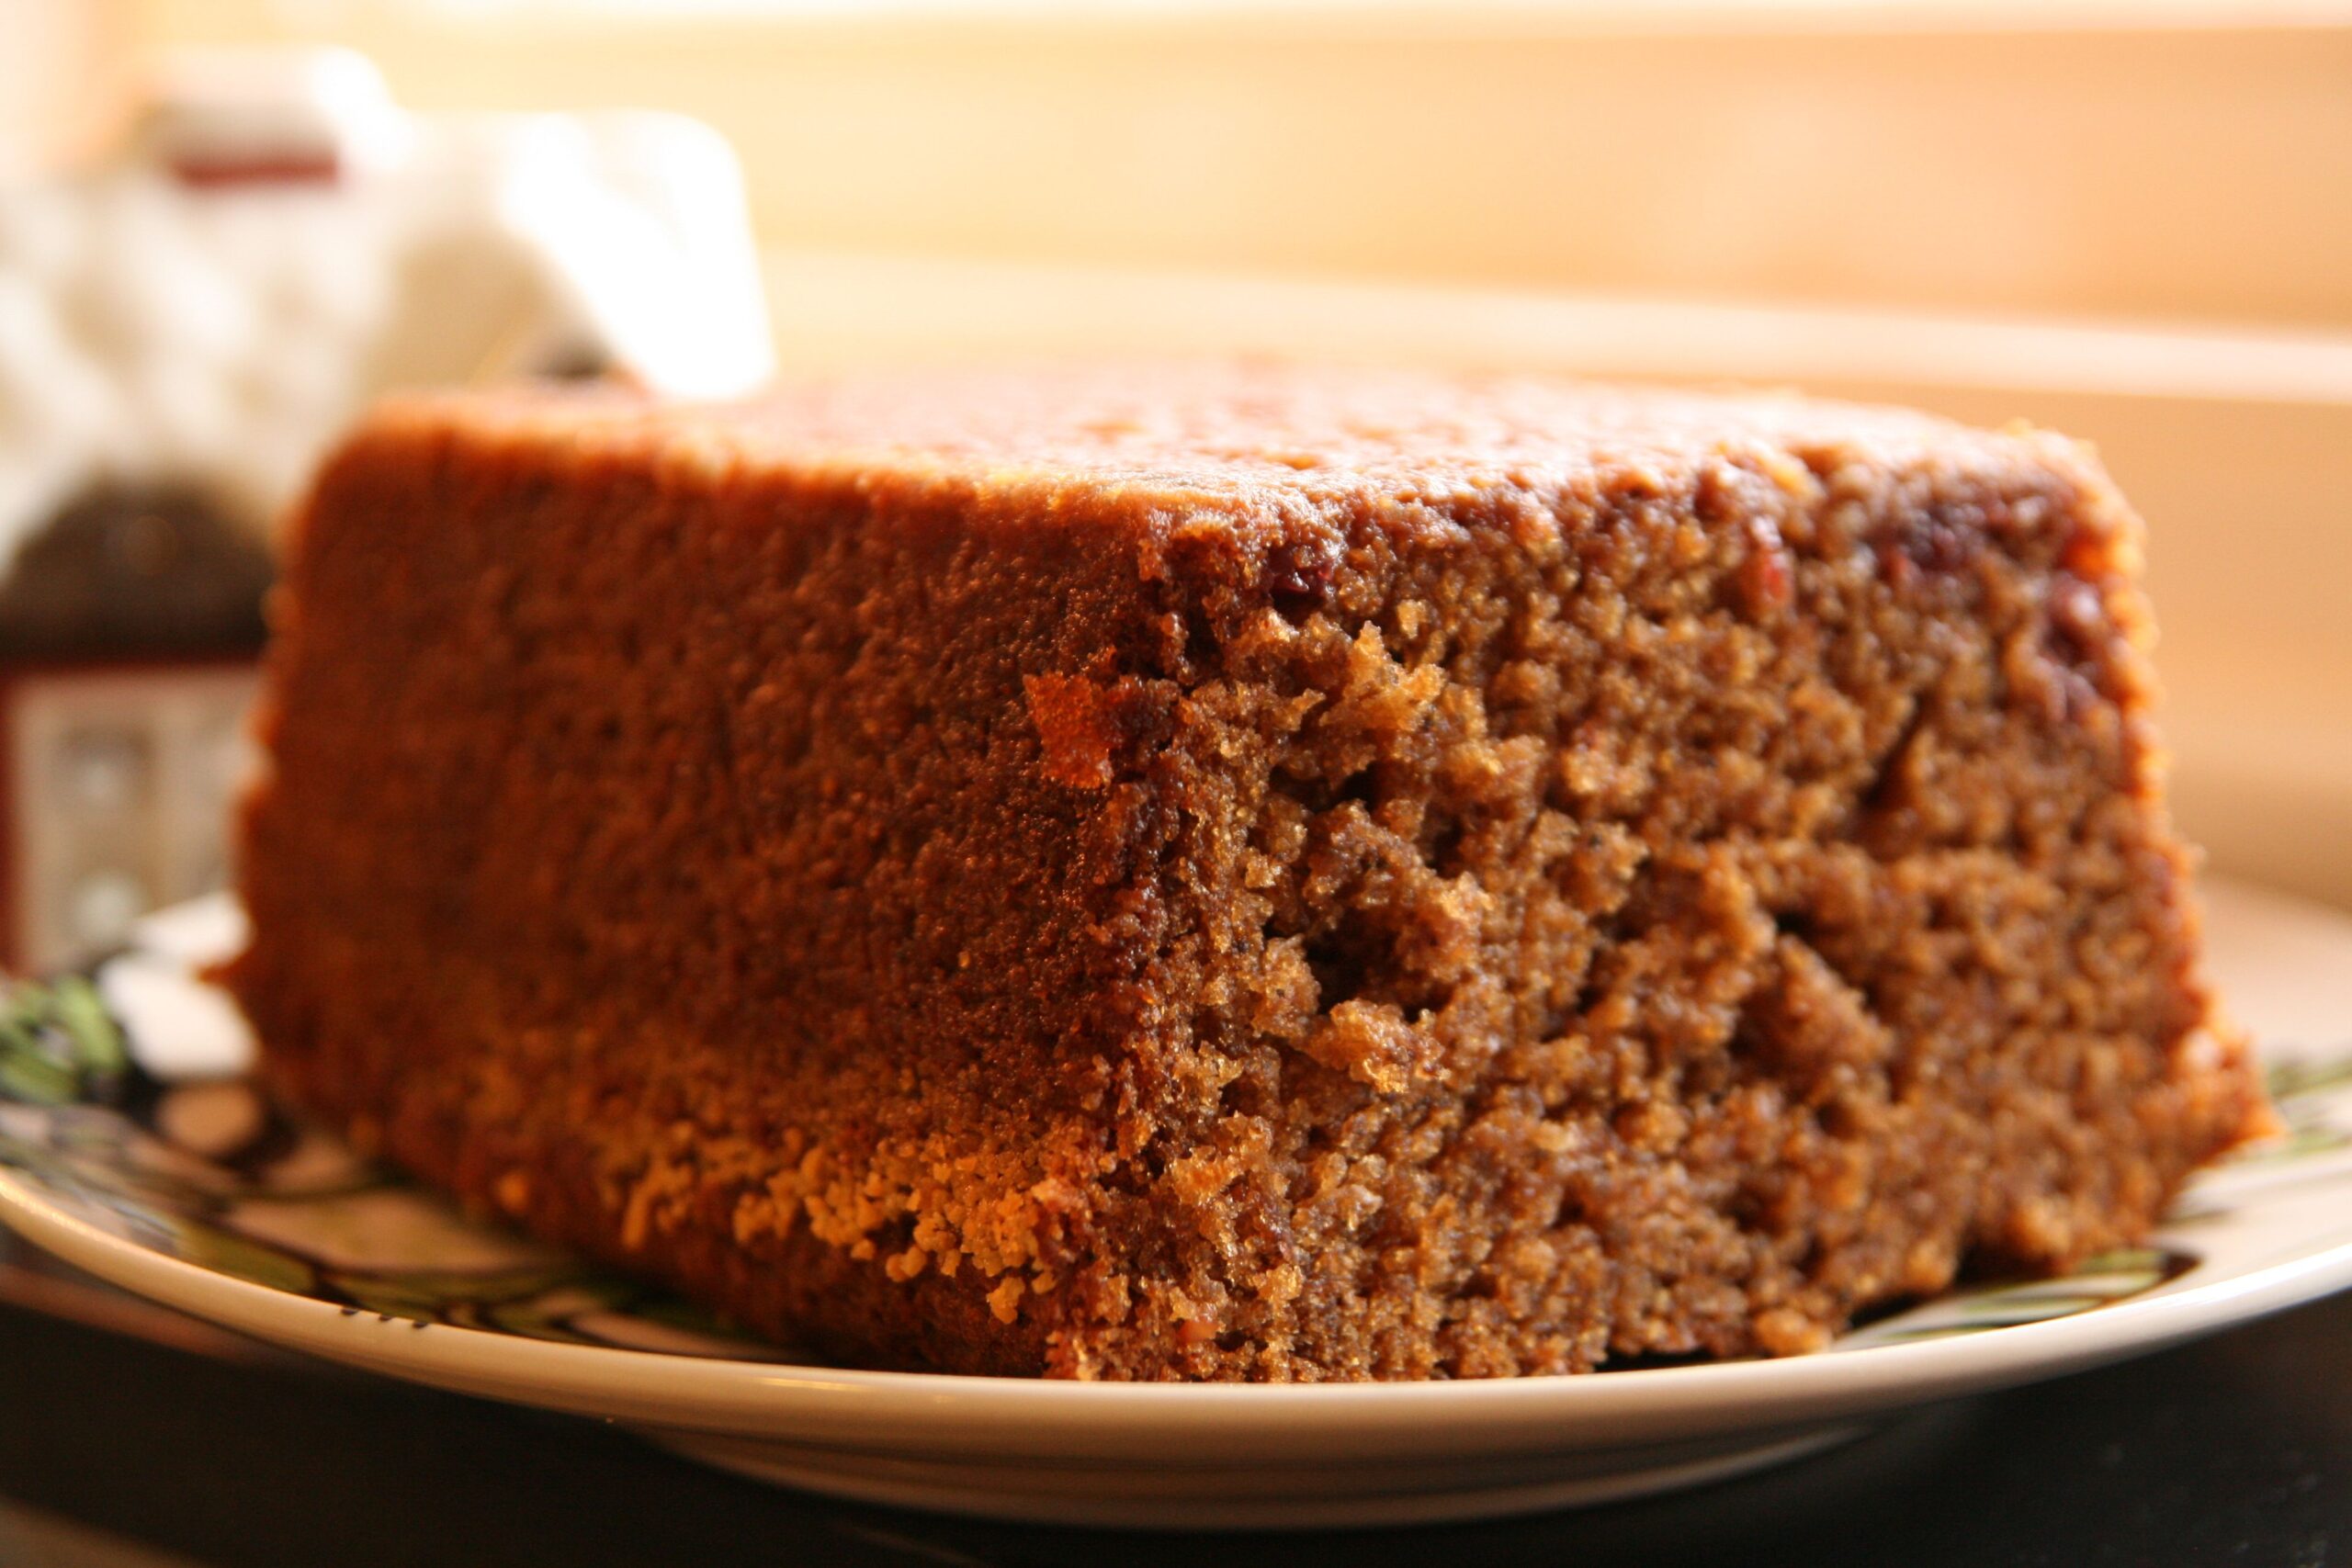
x=1237, y=873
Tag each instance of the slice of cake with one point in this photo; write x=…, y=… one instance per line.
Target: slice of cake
x=1237, y=873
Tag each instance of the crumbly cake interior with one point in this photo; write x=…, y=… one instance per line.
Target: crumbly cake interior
x=1237, y=873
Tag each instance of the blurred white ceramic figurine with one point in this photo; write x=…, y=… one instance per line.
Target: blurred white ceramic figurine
x=186, y=324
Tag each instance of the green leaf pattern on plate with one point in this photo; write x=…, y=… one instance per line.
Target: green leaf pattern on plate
x=57, y=1043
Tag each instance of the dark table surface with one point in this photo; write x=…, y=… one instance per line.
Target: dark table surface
x=118, y=1449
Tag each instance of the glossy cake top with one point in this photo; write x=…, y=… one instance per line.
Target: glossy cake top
x=1206, y=432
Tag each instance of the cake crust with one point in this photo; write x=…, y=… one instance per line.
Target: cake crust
x=1237, y=873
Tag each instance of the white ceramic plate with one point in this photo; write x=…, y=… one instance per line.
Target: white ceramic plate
x=157, y=1167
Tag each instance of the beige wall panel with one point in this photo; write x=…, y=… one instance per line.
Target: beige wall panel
x=1848, y=153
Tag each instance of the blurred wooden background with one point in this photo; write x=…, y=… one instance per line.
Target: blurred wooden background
x=2130, y=220
x=2147, y=160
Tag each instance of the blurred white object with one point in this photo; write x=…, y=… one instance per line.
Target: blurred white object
x=180, y=1028
x=277, y=242
x=186, y=325
x=234, y=111
x=196, y=934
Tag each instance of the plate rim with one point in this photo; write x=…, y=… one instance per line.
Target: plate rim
x=952, y=1416
x=848, y=1409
